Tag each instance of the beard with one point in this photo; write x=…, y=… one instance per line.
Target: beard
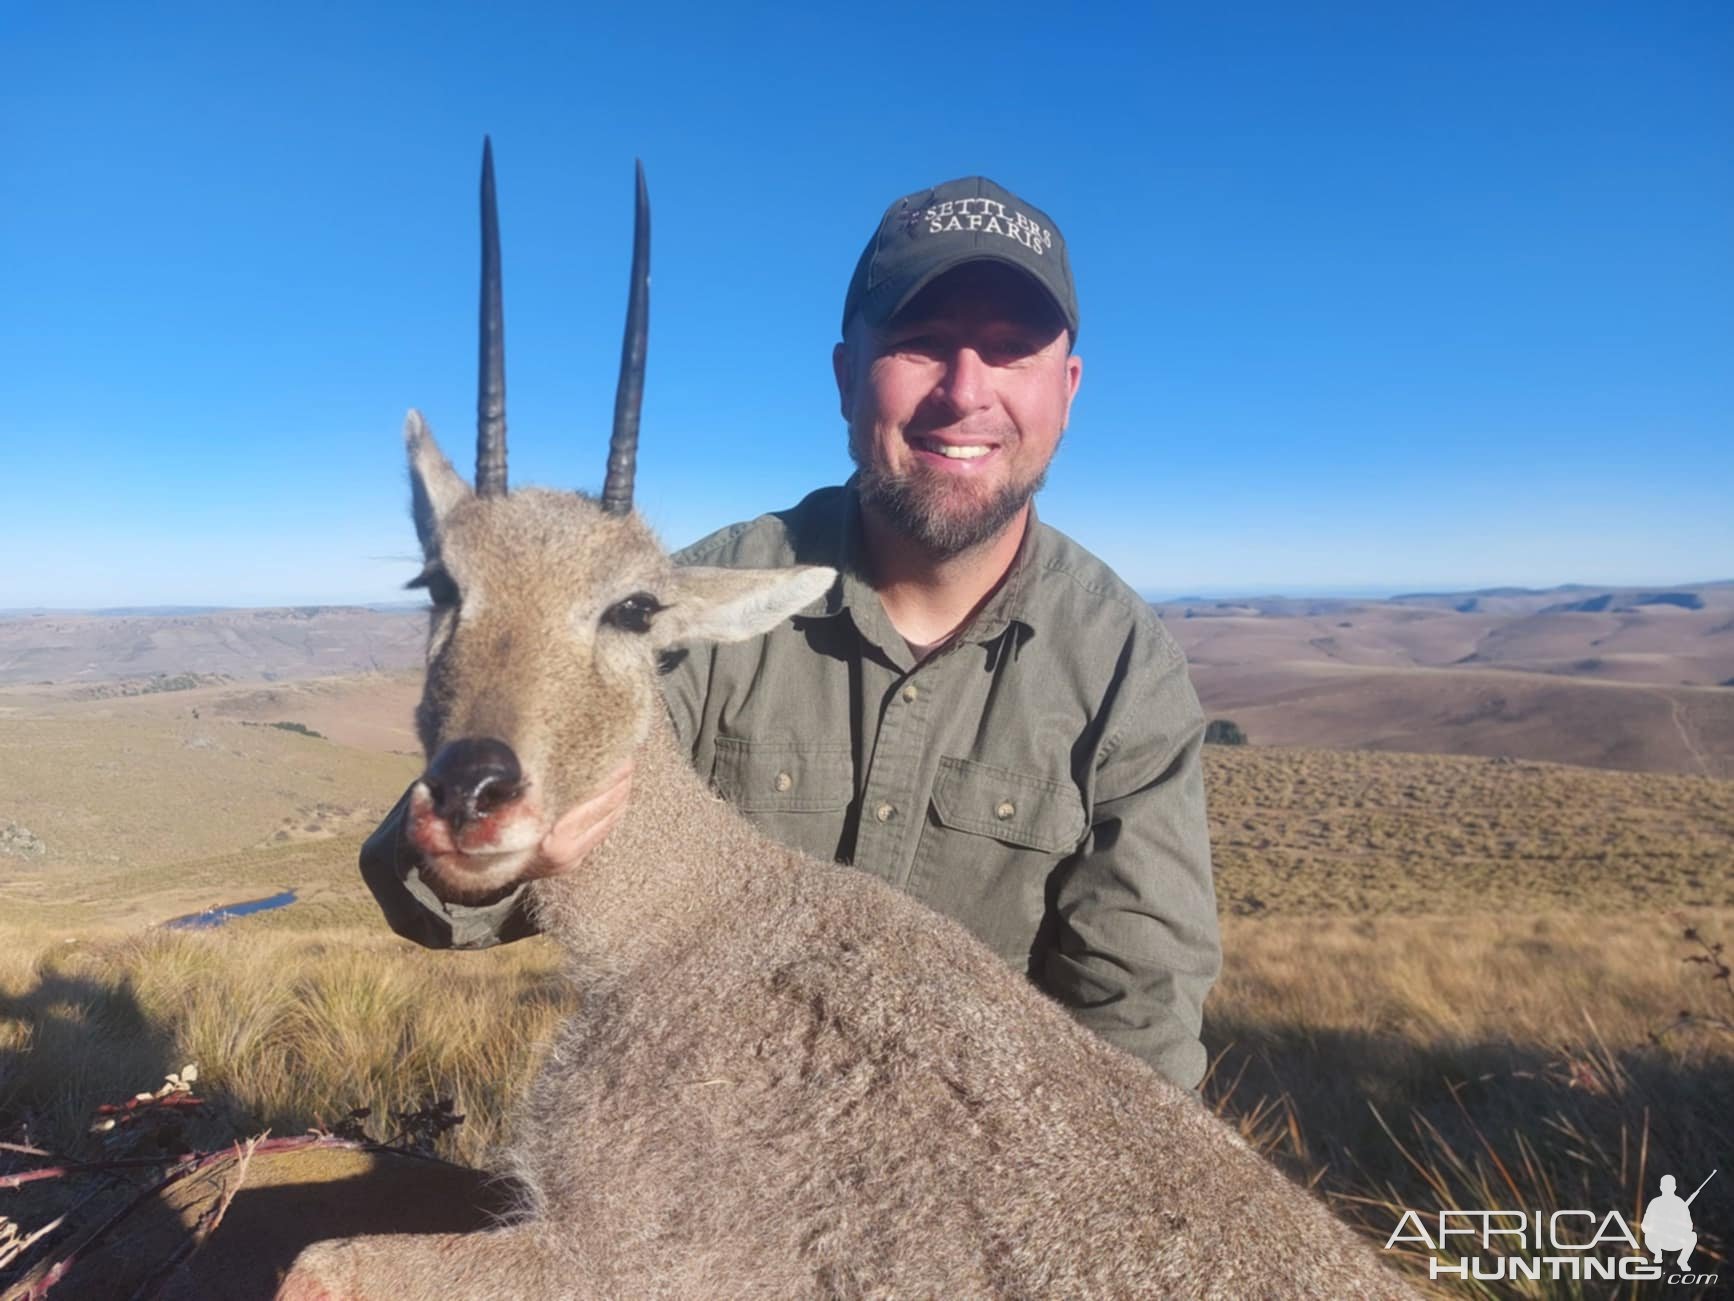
x=934, y=511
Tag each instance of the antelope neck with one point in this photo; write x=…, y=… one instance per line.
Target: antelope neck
x=677, y=854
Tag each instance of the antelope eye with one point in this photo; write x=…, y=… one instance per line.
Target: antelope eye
x=634, y=613
x=440, y=588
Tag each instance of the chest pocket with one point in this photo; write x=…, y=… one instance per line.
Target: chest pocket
x=1013, y=807
x=797, y=794
x=783, y=776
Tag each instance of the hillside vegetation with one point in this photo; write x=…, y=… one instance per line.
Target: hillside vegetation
x=1447, y=981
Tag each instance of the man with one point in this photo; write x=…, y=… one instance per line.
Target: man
x=980, y=712
x=1667, y=1223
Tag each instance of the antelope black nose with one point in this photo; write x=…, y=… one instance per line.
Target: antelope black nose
x=473, y=777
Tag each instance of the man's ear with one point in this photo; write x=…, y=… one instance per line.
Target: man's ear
x=703, y=603
x=843, y=369
x=1074, y=377
x=434, y=486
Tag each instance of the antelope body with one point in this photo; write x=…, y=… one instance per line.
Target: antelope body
x=785, y=1078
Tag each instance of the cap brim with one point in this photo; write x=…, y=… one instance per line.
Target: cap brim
x=900, y=296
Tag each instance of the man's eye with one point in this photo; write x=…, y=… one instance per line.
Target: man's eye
x=923, y=345
x=634, y=613
x=1012, y=348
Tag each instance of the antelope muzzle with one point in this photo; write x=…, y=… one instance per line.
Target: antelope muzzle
x=472, y=779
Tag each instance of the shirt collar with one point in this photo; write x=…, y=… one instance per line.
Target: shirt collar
x=852, y=594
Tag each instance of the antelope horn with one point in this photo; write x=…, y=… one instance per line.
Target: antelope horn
x=491, y=368
x=629, y=393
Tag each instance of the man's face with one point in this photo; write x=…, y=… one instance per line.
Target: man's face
x=955, y=407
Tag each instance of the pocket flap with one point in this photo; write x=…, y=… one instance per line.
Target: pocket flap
x=783, y=776
x=1015, y=807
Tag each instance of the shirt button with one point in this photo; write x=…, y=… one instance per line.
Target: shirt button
x=885, y=812
x=910, y=692
x=784, y=781
x=1004, y=809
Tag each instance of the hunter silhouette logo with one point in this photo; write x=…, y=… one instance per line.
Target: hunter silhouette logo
x=1667, y=1224
x=1581, y=1245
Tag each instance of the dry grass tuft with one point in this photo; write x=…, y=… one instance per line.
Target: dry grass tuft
x=290, y=1030
x=1427, y=1063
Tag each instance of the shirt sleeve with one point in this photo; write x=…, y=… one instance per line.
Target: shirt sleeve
x=689, y=669
x=391, y=869
x=1136, y=947
x=685, y=684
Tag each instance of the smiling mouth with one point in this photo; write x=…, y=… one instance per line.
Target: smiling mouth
x=952, y=451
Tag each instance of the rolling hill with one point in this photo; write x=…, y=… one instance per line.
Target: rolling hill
x=1639, y=679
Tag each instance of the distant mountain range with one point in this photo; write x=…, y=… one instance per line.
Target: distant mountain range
x=154, y=611
x=1581, y=597
x=1515, y=627
x=1634, y=678
x=60, y=648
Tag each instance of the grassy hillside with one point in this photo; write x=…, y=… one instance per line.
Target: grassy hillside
x=1447, y=981
x=1357, y=833
x=1477, y=711
x=127, y=788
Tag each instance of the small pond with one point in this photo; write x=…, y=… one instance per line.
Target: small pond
x=217, y=915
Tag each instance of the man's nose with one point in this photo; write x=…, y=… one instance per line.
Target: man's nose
x=965, y=386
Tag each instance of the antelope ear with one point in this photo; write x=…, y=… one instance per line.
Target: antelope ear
x=434, y=486
x=703, y=603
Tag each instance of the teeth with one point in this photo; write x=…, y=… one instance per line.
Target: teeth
x=956, y=453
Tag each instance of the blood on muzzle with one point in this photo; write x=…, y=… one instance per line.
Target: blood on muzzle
x=473, y=777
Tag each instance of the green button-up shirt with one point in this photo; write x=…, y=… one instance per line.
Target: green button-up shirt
x=1038, y=778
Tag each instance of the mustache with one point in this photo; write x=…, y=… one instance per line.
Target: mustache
x=934, y=415
x=925, y=424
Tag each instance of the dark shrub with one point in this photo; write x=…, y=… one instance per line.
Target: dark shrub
x=1223, y=731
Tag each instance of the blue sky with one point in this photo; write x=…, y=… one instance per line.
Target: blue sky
x=1374, y=296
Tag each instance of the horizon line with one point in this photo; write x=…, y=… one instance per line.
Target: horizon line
x=1379, y=591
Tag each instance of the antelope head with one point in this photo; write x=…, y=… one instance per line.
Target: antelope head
x=550, y=612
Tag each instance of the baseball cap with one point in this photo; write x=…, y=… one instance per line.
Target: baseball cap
x=925, y=234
